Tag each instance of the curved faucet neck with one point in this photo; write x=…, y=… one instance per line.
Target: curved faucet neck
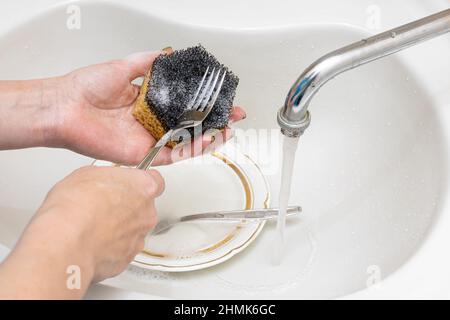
x=294, y=117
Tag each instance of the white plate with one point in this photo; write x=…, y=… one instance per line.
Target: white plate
x=224, y=180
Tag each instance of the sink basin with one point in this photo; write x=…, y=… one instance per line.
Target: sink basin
x=371, y=171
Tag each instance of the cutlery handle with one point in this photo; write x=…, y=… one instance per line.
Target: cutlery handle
x=153, y=153
x=253, y=214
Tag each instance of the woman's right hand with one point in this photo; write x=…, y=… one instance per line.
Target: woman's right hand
x=96, y=218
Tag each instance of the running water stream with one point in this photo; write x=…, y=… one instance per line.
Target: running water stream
x=288, y=157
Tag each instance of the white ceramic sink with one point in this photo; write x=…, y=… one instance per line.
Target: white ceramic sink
x=371, y=170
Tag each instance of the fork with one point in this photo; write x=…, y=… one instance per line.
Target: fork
x=236, y=215
x=196, y=112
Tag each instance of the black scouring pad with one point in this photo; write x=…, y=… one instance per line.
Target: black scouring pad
x=172, y=83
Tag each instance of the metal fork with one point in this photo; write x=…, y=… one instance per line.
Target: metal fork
x=197, y=110
x=236, y=215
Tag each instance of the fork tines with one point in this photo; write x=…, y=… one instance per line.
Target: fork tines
x=205, y=96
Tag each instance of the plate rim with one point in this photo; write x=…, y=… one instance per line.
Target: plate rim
x=234, y=249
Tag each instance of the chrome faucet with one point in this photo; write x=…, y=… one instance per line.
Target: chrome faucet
x=294, y=116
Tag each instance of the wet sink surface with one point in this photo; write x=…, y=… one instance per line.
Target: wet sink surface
x=371, y=170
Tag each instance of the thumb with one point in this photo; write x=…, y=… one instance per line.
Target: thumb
x=158, y=182
x=139, y=63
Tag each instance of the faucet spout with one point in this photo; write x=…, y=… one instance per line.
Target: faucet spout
x=294, y=117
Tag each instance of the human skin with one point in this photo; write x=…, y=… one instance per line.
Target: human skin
x=96, y=218
x=88, y=111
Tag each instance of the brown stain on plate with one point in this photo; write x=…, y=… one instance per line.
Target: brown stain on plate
x=249, y=198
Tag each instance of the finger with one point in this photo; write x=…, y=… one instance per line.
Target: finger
x=149, y=219
x=140, y=245
x=237, y=114
x=139, y=63
x=210, y=144
x=157, y=185
x=184, y=150
x=218, y=136
x=206, y=143
x=210, y=141
x=130, y=95
x=165, y=157
x=150, y=182
x=168, y=50
x=227, y=134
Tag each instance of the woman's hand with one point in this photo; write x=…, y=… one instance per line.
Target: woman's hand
x=88, y=111
x=96, y=219
x=95, y=116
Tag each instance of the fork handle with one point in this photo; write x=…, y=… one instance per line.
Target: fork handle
x=153, y=153
x=252, y=214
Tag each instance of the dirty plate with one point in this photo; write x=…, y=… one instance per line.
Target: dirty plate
x=224, y=180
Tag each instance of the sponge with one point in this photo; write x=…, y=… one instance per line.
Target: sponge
x=172, y=82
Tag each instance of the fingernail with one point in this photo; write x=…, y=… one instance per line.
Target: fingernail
x=209, y=138
x=230, y=131
x=168, y=50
